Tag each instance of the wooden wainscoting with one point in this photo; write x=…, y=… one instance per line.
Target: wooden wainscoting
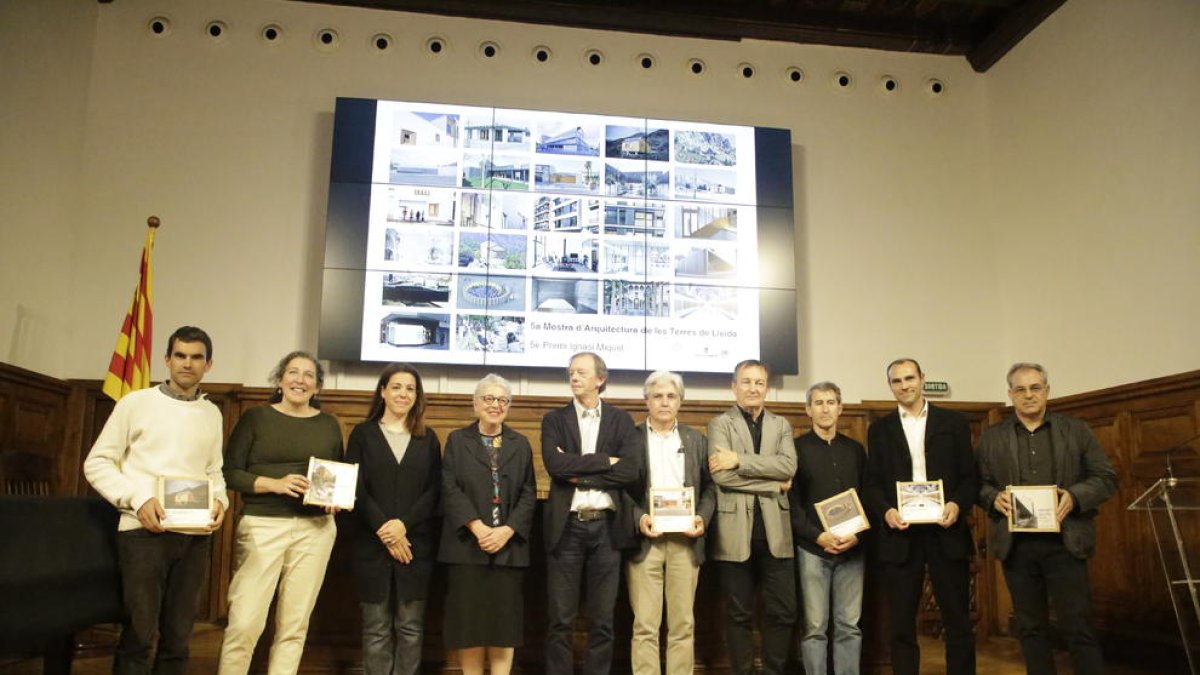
x=48, y=425
x=334, y=635
x=33, y=412
x=1139, y=425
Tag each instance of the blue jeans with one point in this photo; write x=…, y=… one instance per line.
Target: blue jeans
x=842, y=577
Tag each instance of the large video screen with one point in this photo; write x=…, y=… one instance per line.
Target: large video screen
x=503, y=237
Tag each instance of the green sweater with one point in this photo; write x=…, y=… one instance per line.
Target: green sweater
x=268, y=443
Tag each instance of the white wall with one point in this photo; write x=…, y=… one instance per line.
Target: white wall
x=1095, y=130
x=45, y=55
x=228, y=142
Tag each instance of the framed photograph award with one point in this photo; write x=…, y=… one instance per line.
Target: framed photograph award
x=673, y=509
x=842, y=514
x=331, y=483
x=187, y=503
x=920, y=501
x=1034, y=508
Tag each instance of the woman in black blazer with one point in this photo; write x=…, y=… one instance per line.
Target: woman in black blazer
x=399, y=484
x=489, y=491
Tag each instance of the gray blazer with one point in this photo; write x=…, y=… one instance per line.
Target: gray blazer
x=757, y=477
x=695, y=475
x=1080, y=465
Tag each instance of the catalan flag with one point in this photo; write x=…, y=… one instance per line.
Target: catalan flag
x=130, y=365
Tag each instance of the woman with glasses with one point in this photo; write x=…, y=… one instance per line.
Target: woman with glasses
x=280, y=542
x=399, y=483
x=489, y=496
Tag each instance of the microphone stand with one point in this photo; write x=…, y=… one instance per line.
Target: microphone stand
x=1172, y=481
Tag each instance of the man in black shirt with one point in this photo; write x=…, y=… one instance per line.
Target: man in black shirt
x=830, y=565
x=1038, y=447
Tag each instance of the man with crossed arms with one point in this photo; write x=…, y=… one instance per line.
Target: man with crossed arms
x=591, y=451
x=752, y=458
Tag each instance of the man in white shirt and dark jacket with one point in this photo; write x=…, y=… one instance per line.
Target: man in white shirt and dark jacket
x=666, y=565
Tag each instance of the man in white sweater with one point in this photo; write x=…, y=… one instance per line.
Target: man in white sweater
x=168, y=430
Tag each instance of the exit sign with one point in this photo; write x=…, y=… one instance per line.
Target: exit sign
x=936, y=388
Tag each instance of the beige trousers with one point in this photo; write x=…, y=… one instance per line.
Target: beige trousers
x=668, y=570
x=292, y=552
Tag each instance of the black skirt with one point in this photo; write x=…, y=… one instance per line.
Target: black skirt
x=484, y=607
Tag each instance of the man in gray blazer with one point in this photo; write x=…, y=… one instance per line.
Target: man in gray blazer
x=753, y=458
x=1037, y=447
x=667, y=561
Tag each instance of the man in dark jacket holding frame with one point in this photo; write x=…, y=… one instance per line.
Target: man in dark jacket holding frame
x=666, y=564
x=1038, y=447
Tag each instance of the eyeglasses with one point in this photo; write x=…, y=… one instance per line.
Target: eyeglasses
x=1035, y=389
x=502, y=401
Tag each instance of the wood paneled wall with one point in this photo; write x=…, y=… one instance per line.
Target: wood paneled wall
x=47, y=427
x=33, y=410
x=1139, y=425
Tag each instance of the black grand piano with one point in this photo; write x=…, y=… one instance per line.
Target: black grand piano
x=58, y=575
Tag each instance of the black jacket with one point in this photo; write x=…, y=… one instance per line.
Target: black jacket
x=696, y=476
x=409, y=491
x=948, y=457
x=1080, y=467
x=467, y=495
x=617, y=438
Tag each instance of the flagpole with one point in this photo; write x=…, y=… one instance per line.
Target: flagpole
x=129, y=368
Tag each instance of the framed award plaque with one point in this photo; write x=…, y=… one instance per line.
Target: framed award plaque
x=673, y=509
x=842, y=514
x=1033, y=508
x=187, y=502
x=920, y=501
x=331, y=483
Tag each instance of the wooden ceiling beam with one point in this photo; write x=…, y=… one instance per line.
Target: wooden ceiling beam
x=707, y=21
x=1017, y=23
x=982, y=30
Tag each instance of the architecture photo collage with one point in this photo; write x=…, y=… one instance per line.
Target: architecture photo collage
x=490, y=228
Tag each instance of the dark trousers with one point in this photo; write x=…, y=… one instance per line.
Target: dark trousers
x=585, y=548
x=161, y=577
x=393, y=631
x=1039, y=568
x=951, y=586
x=739, y=581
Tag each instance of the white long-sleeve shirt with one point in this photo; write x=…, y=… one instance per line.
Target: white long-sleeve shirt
x=148, y=435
